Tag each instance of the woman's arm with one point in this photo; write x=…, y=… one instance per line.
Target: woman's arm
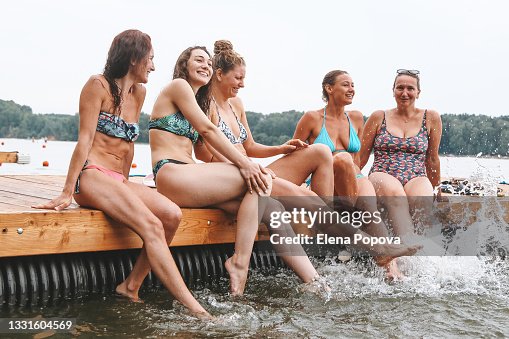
x=202, y=149
x=432, y=158
x=256, y=150
x=368, y=136
x=304, y=128
x=140, y=93
x=91, y=99
x=183, y=97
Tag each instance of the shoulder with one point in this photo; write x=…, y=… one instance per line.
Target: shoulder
x=432, y=115
x=177, y=85
x=139, y=91
x=377, y=117
x=356, y=116
x=312, y=116
x=98, y=82
x=237, y=105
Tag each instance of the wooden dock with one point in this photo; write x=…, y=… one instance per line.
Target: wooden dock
x=8, y=157
x=27, y=231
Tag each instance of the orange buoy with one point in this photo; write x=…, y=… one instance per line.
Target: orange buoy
x=133, y=165
x=45, y=163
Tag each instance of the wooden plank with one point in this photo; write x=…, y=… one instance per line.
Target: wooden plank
x=8, y=157
x=13, y=185
x=52, y=180
x=83, y=230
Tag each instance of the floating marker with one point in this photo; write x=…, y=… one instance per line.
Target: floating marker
x=45, y=163
x=133, y=165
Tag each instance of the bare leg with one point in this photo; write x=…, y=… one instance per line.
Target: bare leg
x=170, y=215
x=218, y=183
x=345, y=183
x=294, y=257
x=120, y=203
x=392, y=195
x=297, y=166
x=420, y=199
x=367, y=201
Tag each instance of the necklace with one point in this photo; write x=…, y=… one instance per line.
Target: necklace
x=406, y=119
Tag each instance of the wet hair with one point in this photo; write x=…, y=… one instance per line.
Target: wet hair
x=129, y=46
x=415, y=76
x=330, y=79
x=180, y=71
x=225, y=58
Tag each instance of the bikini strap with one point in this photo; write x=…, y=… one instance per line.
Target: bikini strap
x=235, y=114
x=324, y=117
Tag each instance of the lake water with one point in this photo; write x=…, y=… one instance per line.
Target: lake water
x=441, y=296
x=58, y=154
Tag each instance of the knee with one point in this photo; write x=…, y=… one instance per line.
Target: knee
x=171, y=220
x=342, y=161
x=321, y=153
x=268, y=180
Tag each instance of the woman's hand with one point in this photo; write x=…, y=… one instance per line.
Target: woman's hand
x=254, y=175
x=292, y=145
x=57, y=204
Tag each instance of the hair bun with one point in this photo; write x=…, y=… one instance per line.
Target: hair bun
x=222, y=46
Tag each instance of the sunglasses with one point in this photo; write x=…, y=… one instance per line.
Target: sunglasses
x=413, y=72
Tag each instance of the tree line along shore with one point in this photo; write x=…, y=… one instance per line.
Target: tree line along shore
x=462, y=134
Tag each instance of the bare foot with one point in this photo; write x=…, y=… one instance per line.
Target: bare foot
x=124, y=292
x=238, y=276
x=389, y=252
x=204, y=315
x=392, y=272
x=317, y=286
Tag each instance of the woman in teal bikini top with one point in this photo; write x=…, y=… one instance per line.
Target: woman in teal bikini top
x=354, y=144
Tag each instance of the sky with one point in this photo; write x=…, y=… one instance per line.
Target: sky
x=50, y=48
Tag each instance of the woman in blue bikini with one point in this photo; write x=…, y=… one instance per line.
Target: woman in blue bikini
x=110, y=106
x=339, y=130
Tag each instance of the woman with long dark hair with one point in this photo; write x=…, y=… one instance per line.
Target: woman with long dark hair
x=109, y=109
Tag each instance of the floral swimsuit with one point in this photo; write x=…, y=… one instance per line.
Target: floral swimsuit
x=403, y=158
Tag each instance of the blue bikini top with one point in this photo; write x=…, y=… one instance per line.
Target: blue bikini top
x=114, y=126
x=175, y=123
x=354, y=144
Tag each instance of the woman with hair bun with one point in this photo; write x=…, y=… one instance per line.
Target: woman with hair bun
x=109, y=109
x=227, y=113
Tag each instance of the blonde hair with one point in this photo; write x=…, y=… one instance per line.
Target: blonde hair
x=225, y=58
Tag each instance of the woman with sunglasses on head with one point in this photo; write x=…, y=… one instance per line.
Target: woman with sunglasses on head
x=339, y=130
x=109, y=109
x=405, y=140
x=229, y=72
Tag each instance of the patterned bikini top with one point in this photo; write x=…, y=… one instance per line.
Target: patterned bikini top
x=223, y=127
x=114, y=126
x=175, y=123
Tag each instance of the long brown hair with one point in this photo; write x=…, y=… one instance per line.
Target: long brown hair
x=180, y=71
x=129, y=46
